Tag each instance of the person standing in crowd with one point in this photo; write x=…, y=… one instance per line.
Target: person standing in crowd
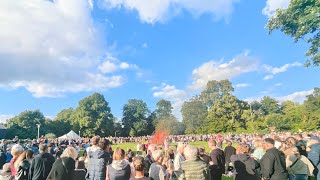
x=179, y=159
x=245, y=166
x=3, y=145
x=193, y=168
x=301, y=145
x=41, y=164
x=63, y=168
x=228, y=152
x=3, y=158
x=98, y=159
x=299, y=167
x=139, y=165
x=16, y=150
x=23, y=164
x=120, y=168
x=148, y=159
x=156, y=171
x=217, y=162
x=313, y=146
x=259, y=150
x=273, y=165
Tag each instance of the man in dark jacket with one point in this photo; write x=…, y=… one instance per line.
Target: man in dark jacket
x=314, y=154
x=228, y=152
x=273, y=164
x=41, y=164
x=217, y=161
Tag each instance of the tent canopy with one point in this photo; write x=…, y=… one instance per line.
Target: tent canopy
x=70, y=135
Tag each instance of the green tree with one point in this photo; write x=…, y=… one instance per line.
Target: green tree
x=63, y=122
x=269, y=105
x=135, y=117
x=215, y=90
x=301, y=20
x=164, y=109
x=24, y=125
x=94, y=116
x=194, y=113
x=225, y=115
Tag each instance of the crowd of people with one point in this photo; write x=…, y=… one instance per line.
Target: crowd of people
x=275, y=156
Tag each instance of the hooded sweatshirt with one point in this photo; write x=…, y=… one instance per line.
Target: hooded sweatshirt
x=245, y=167
x=119, y=170
x=96, y=165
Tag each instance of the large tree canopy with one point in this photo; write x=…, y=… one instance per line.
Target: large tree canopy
x=94, y=116
x=301, y=20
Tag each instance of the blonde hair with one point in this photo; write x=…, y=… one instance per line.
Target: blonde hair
x=25, y=155
x=118, y=154
x=157, y=154
x=70, y=152
x=16, y=150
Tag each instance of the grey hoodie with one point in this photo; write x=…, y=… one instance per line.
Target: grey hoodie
x=119, y=170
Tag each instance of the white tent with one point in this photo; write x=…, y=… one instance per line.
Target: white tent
x=70, y=135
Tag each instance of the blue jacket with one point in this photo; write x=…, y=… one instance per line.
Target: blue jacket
x=314, y=156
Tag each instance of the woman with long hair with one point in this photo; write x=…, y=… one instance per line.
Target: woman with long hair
x=22, y=165
x=120, y=168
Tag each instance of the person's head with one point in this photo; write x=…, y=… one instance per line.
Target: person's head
x=243, y=148
x=268, y=143
x=95, y=140
x=257, y=144
x=180, y=147
x=43, y=148
x=298, y=137
x=70, y=152
x=104, y=144
x=118, y=154
x=290, y=141
x=201, y=150
x=157, y=156
x=16, y=150
x=190, y=152
x=139, y=164
x=212, y=144
x=229, y=143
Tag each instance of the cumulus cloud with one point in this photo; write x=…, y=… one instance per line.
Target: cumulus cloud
x=276, y=70
x=171, y=93
x=51, y=47
x=216, y=70
x=112, y=64
x=298, y=97
x=242, y=85
x=273, y=5
x=152, y=11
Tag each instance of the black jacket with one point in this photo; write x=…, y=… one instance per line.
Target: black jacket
x=62, y=169
x=245, y=166
x=217, y=157
x=273, y=165
x=41, y=166
x=23, y=170
x=3, y=158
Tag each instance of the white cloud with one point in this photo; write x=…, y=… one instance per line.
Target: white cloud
x=242, y=85
x=171, y=93
x=276, y=70
x=124, y=65
x=273, y=5
x=4, y=118
x=298, y=97
x=215, y=70
x=107, y=67
x=278, y=84
x=51, y=48
x=152, y=11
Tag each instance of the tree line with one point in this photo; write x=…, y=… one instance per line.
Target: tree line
x=214, y=110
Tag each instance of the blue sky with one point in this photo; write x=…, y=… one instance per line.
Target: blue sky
x=54, y=53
